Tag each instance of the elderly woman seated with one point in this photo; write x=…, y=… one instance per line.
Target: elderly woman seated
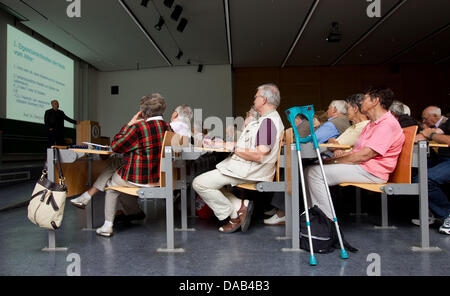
x=373, y=157
x=359, y=121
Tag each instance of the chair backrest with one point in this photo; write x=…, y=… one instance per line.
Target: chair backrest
x=280, y=146
x=167, y=140
x=402, y=172
x=289, y=136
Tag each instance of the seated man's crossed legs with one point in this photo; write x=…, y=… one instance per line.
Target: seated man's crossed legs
x=225, y=205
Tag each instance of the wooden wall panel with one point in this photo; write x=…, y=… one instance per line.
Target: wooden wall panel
x=417, y=85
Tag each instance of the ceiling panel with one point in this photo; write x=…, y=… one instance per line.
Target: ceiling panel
x=413, y=21
x=313, y=49
x=262, y=31
x=203, y=39
x=431, y=50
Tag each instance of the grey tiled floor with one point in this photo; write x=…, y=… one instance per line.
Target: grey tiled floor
x=132, y=249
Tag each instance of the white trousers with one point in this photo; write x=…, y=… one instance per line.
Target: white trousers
x=209, y=186
x=335, y=174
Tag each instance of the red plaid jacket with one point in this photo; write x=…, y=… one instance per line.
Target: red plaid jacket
x=141, y=145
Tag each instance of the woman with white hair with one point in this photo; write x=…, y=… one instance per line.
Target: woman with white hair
x=180, y=121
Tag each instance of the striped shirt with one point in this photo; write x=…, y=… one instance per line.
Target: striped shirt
x=141, y=145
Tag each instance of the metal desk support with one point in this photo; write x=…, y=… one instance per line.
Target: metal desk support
x=51, y=177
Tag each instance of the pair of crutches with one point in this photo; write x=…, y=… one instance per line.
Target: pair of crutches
x=308, y=112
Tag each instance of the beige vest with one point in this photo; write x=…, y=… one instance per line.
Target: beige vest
x=236, y=167
x=341, y=123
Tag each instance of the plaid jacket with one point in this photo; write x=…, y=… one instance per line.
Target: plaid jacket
x=141, y=145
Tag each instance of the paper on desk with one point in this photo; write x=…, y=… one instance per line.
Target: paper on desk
x=98, y=145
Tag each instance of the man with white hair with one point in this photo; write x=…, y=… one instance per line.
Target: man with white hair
x=403, y=114
x=337, y=122
x=254, y=158
x=432, y=117
x=180, y=121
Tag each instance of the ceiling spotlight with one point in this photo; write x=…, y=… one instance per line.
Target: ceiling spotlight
x=159, y=24
x=334, y=35
x=176, y=12
x=144, y=3
x=180, y=53
x=181, y=25
x=200, y=68
x=168, y=3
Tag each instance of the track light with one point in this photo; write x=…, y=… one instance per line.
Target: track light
x=159, y=24
x=176, y=12
x=180, y=53
x=144, y=3
x=200, y=68
x=334, y=35
x=181, y=25
x=168, y=3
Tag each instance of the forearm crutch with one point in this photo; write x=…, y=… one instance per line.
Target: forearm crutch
x=308, y=112
x=291, y=113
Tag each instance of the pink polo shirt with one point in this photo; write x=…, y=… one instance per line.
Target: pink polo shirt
x=384, y=136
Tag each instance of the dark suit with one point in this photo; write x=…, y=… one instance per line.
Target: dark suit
x=55, y=119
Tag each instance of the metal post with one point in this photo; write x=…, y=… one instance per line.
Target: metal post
x=295, y=207
x=423, y=200
x=168, y=166
x=51, y=177
x=184, y=225
x=423, y=195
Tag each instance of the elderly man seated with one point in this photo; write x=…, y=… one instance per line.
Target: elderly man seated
x=432, y=117
x=254, y=159
x=374, y=155
x=337, y=122
x=438, y=169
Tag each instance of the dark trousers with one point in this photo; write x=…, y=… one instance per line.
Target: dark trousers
x=55, y=137
x=438, y=176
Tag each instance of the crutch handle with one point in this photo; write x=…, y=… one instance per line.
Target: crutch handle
x=308, y=112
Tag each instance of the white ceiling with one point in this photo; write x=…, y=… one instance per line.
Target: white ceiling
x=262, y=32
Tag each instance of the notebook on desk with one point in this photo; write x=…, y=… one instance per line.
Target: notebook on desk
x=93, y=146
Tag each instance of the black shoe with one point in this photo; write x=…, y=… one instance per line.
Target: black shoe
x=122, y=218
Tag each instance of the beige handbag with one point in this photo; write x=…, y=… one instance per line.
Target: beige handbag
x=46, y=207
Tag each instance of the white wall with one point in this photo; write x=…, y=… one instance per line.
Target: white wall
x=210, y=90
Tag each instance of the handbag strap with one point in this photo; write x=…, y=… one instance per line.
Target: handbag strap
x=57, y=156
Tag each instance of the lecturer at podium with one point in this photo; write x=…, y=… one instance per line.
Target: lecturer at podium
x=54, y=122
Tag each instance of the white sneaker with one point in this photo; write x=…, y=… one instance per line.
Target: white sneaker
x=80, y=202
x=445, y=227
x=431, y=220
x=105, y=231
x=271, y=212
x=275, y=220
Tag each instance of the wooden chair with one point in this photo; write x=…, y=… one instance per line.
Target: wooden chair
x=400, y=176
x=172, y=176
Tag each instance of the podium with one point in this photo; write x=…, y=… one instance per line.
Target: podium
x=89, y=131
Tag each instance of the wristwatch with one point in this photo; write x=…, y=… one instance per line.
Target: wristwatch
x=431, y=135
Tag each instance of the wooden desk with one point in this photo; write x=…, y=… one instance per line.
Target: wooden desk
x=434, y=144
x=338, y=146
